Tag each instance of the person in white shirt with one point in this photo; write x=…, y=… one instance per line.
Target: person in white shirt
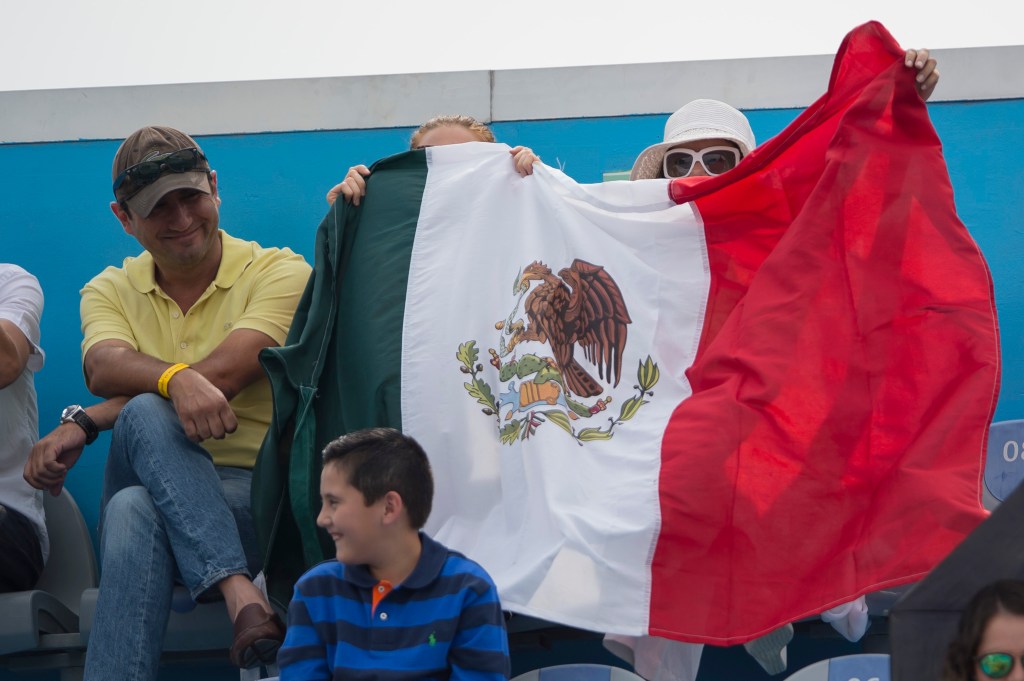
x=23, y=541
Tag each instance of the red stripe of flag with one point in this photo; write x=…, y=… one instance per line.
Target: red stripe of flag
x=847, y=372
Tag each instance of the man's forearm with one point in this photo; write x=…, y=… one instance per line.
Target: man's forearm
x=235, y=363
x=115, y=371
x=104, y=414
x=113, y=368
x=119, y=370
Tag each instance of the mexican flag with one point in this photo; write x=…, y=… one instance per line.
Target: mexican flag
x=690, y=410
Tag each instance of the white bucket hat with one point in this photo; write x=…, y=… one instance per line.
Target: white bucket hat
x=701, y=119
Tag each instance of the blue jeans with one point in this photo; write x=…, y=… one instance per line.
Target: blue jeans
x=168, y=515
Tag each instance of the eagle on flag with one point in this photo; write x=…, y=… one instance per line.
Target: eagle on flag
x=584, y=307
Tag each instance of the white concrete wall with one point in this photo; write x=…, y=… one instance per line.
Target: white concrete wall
x=407, y=100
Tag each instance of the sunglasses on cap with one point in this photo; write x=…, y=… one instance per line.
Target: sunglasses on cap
x=997, y=665
x=715, y=160
x=147, y=172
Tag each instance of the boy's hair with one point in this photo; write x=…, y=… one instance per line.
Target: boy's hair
x=381, y=460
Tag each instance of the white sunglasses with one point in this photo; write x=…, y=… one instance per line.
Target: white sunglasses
x=715, y=160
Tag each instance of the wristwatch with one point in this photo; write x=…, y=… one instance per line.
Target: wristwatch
x=76, y=414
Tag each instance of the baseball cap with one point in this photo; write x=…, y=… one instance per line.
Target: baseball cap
x=149, y=143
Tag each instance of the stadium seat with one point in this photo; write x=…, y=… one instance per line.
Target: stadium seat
x=578, y=672
x=881, y=602
x=570, y=672
x=203, y=628
x=194, y=631
x=1004, y=461
x=846, y=668
x=39, y=629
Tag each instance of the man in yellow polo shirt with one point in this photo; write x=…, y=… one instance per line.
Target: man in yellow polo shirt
x=172, y=339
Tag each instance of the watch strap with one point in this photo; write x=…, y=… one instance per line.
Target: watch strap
x=78, y=416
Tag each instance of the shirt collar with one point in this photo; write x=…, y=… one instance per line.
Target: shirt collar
x=235, y=257
x=428, y=568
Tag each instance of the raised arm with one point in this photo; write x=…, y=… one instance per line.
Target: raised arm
x=352, y=188
x=523, y=159
x=927, y=76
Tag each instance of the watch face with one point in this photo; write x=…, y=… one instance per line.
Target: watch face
x=68, y=411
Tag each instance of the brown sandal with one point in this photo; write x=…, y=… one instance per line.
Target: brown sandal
x=258, y=635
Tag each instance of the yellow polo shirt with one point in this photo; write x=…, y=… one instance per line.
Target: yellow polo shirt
x=255, y=288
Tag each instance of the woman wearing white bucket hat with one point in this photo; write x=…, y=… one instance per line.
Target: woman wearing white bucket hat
x=708, y=137
x=704, y=137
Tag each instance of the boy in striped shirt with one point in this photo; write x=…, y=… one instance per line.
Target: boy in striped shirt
x=396, y=604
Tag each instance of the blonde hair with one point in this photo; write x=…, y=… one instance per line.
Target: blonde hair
x=455, y=120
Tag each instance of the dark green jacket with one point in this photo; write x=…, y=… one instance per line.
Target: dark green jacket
x=338, y=371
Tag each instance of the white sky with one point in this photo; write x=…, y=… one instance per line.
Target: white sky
x=48, y=44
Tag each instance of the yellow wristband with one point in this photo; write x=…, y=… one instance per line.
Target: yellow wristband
x=165, y=378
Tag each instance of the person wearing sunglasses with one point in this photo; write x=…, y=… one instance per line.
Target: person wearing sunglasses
x=707, y=137
x=989, y=642
x=703, y=138
x=171, y=340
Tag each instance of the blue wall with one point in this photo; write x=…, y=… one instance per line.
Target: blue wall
x=55, y=220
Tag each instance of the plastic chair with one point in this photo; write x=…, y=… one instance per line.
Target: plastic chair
x=204, y=628
x=1004, y=461
x=44, y=623
x=195, y=631
x=52, y=607
x=847, y=668
x=578, y=672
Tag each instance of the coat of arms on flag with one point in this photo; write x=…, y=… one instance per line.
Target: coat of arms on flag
x=540, y=376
